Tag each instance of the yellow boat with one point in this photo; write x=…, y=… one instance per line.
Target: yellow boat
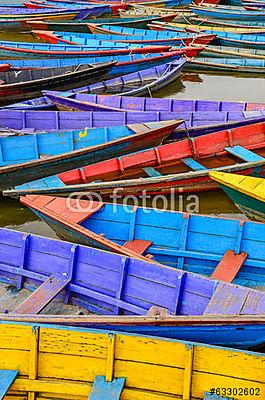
x=247, y=192
x=41, y=362
x=190, y=27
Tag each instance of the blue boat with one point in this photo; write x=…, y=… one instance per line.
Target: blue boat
x=236, y=331
x=155, y=38
x=228, y=65
x=125, y=63
x=225, y=12
x=225, y=249
x=139, y=83
x=21, y=163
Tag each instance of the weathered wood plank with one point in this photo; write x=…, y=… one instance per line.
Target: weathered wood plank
x=138, y=246
x=229, y=266
x=244, y=154
x=43, y=295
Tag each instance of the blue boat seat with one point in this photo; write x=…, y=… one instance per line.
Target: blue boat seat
x=43, y=295
x=212, y=396
x=150, y=171
x=7, y=377
x=194, y=165
x=244, y=154
x=103, y=390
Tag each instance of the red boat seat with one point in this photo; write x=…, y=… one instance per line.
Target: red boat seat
x=138, y=246
x=229, y=266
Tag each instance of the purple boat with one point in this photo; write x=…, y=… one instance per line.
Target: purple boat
x=200, y=121
x=84, y=102
x=108, y=283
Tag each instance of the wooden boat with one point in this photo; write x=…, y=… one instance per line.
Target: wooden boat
x=229, y=23
x=85, y=39
x=242, y=331
x=247, y=192
x=193, y=27
x=91, y=44
x=124, y=63
x=51, y=143
x=82, y=12
x=85, y=102
x=229, y=14
x=228, y=65
x=232, y=52
x=178, y=168
x=140, y=83
x=74, y=13
x=21, y=23
x=39, y=5
x=69, y=52
x=144, y=283
x=236, y=331
x=222, y=38
x=73, y=26
x=147, y=104
x=142, y=10
x=84, y=363
x=27, y=84
x=224, y=249
x=140, y=136
x=200, y=121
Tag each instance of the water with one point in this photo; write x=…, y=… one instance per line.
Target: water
x=190, y=86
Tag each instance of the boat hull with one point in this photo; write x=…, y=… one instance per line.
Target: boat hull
x=251, y=207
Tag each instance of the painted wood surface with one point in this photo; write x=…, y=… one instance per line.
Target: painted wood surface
x=147, y=104
x=109, y=283
x=200, y=121
x=186, y=241
x=157, y=170
x=63, y=362
x=243, y=332
x=7, y=377
x=144, y=136
x=248, y=194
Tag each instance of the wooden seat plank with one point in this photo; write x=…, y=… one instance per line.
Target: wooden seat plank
x=229, y=266
x=193, y=164
x=7, y=377
x=244, y=154
x=152, y=172
x=137, y=245
x=102, y=390
x=43, y=295
x=212, y=396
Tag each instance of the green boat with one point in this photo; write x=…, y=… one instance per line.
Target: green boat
x=247, y=192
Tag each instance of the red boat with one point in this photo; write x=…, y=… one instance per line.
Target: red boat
x=188, y=161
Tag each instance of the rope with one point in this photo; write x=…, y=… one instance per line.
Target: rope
x=190, y=140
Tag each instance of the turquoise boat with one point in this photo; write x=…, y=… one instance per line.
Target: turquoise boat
x=229, y=65
x=228, y=13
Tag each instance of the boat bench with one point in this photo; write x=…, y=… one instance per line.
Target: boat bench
x=7, y=377
x=102, y=390
x=212, y=396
